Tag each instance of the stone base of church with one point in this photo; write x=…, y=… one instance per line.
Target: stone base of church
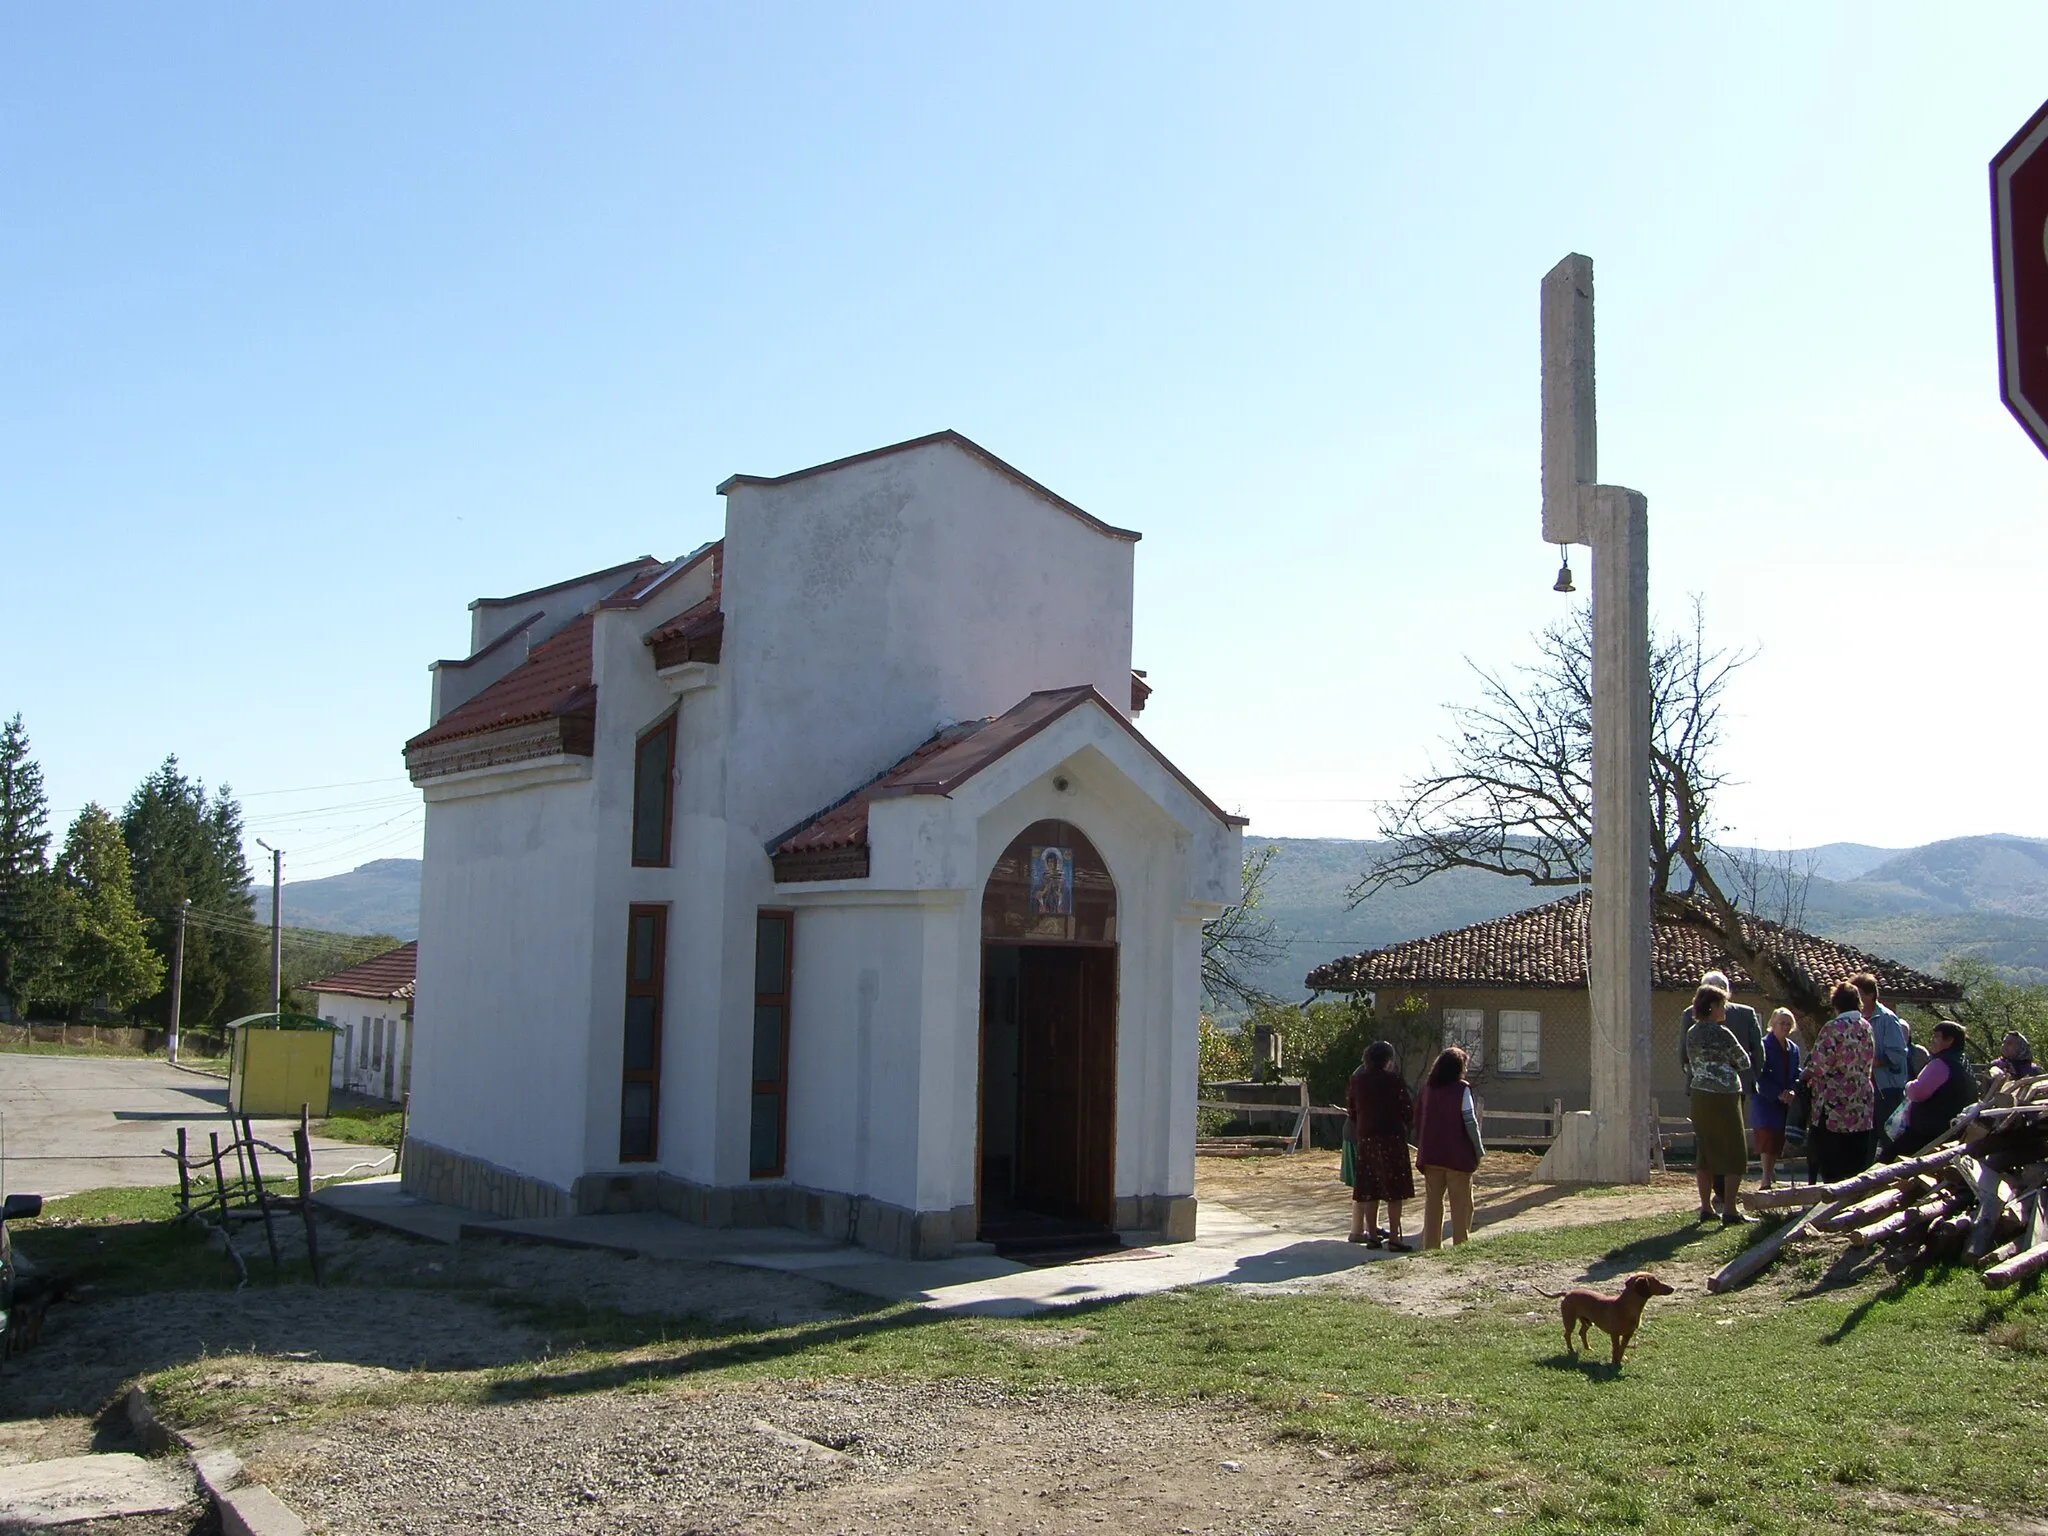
x=453, y=1178
x=1172, y=1217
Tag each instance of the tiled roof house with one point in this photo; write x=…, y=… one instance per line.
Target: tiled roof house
x=1513, y=991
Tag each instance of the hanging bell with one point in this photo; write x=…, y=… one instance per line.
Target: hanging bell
x=1564, y=578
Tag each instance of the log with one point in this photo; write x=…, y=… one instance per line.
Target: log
x=1901, y=1223
x=2024, y=1217
x=1867, y=1182
x=1863, y=1212
x=1946, y=1237
x=2029, y=1260
x=1993, y=1194
x=1755, y=1259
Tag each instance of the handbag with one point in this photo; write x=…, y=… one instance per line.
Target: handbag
x=1347, y=1160
x=1798, y=1113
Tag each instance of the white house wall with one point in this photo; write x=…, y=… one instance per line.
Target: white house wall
x=506, y=904
x=867, y=606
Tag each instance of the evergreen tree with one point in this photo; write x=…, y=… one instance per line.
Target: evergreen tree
x=106, y=959
x=185, y=844
x=29, y=923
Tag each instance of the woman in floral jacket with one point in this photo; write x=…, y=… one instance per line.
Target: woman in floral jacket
x=1839, y=1127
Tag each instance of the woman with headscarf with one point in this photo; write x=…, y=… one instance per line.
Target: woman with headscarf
x=2015, y=1057
x=1381, y=1110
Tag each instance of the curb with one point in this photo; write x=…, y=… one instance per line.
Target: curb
x=246, y=1508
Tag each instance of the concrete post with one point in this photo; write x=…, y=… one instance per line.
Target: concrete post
x=1612, y=1144
x=1620, y=975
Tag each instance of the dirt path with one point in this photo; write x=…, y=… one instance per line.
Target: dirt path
x=1300, y=1192
x=920, y=1459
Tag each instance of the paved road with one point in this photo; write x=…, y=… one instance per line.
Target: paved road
x=69, y=1123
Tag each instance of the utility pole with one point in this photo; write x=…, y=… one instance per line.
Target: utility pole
x=276, y=921
x=177, y=979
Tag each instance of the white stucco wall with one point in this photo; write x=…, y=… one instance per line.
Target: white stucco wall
x=359, y=1065
x=507, y=900
x=887, y=1001
x=867, y=606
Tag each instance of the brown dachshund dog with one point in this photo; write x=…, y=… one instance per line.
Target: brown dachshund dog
x=1615, y=1316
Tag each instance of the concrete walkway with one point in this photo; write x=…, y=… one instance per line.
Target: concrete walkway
x=1229, y=1248
x=69, y=1123
x=74, y=1489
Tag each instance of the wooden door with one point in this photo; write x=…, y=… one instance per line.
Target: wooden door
x=1066, y=1124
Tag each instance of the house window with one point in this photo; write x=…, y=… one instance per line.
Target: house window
x=363, y=1046
x=654, y=764
x=640, y=1089
x=1521, y=1040
x=768, y=1124
x=377, y=1043
x=1466, y=1028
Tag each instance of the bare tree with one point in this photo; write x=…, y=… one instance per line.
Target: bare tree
x=1242, y=941
x=1516, y=798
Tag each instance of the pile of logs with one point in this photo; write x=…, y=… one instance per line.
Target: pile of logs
x=1976, y=1195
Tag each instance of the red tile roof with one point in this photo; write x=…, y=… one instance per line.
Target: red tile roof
x=939, y=767
x=697, y=628
x=553, y=680
x=1546, y=946
x=388, y=975
x=966, y=445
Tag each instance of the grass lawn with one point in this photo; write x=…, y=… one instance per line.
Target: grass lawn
x=1839, y=1401
x=372, y=1125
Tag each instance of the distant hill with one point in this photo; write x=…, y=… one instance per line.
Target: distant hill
x=1984, y=896
x=382, y=896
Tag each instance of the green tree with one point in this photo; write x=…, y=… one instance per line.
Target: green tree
x=186, y=845
x=1241, y=942
x=29, y=922
x=106, y=955
x=1226, y=1055
x=1991, y=1007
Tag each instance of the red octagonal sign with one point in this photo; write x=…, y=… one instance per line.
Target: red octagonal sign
x=2019, y=232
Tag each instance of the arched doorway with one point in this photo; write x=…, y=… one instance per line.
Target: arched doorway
x=1048, y=1037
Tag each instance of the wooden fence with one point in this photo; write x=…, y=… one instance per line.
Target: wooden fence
x=1549, y=1122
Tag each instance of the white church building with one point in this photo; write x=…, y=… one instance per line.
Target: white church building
x=819, y=878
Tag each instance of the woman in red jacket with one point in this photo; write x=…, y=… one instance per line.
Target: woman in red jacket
x=1447, y=1148
x=1381, y=1111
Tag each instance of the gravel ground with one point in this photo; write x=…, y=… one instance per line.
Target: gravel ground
x=395, y=1303
x=854, y=1457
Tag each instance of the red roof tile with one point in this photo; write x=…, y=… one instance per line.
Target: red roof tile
x=553, y=680
x=1546, y=946
x=388, y=975
x=948, y=760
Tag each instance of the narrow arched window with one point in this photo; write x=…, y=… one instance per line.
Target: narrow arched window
x=1050, y=886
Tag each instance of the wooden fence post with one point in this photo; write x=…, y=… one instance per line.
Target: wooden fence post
x=302, y=1143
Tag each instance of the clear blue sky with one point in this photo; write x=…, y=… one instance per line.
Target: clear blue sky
x=320, y=321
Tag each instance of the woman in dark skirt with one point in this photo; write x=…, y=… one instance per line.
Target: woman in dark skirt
x=1381, y=1111
x=1715, y=1063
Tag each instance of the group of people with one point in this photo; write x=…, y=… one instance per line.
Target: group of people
x=1863, y=1091
x=1380, y=1111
